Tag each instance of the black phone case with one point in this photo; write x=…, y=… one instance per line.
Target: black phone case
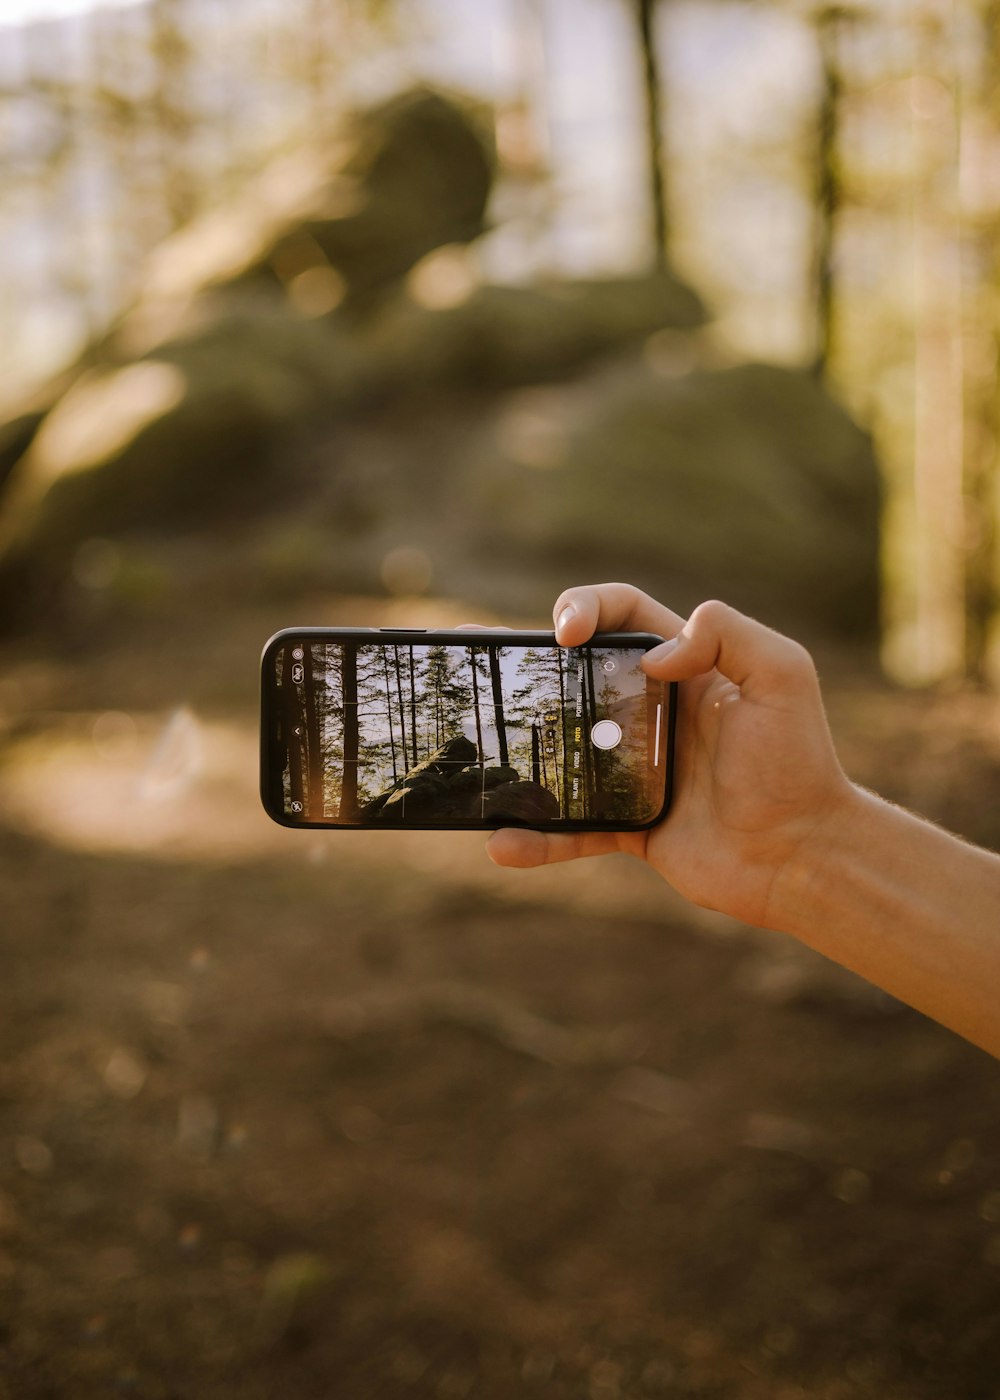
x=449, y=637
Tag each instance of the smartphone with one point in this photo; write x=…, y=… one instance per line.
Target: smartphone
x=461, y=730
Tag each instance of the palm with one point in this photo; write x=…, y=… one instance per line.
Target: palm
x=750, y=777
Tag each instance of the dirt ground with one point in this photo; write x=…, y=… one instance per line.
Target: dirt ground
x=335, y=1115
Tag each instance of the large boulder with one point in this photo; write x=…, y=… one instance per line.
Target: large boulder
x=746, y=482
x=210, y=425
x=750, y=483
x=331, y=226
x=186, y=435
x=277, y=318
x=498, y=337
x=316, y=230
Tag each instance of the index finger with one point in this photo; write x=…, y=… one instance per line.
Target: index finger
x=610, y=607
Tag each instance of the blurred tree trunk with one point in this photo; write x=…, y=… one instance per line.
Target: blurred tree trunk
x=47, y=73
x=982, y=589
x=321, y=39
x=171, y=52
x=135, y=220
x=653, y=94
x=828, y=189
x=939, y=563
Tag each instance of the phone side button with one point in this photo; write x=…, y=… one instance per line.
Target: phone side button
x=402, y=629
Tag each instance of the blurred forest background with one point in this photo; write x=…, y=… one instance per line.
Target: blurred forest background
x=369, y=313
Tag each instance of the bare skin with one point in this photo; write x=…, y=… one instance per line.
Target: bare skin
x=766, y=826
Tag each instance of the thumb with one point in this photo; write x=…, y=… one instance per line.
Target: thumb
x=718, y=638
x=523, y=849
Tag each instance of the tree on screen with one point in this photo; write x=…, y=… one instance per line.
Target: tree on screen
x=496, y=654
x=476, y=707
x=349, y=699
x=592, y=774
x=540, y=705
x=387, y=695
x=400, y=707
x=414, y=757
x=312, y=744
x=382, y=757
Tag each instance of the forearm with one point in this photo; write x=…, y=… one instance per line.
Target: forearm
x=908, y=906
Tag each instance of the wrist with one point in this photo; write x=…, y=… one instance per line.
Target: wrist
x=826, y=863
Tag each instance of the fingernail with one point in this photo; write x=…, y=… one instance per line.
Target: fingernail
x=566, y=616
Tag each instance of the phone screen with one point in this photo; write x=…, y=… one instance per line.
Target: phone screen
x=477, y=733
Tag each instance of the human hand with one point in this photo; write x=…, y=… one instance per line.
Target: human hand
x=756, y=779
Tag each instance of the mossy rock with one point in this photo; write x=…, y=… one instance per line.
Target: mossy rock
x=749, y=483
x=203, y=428
x=177, y=439
x=503, y=336
x=423, y=167
x=402, y=178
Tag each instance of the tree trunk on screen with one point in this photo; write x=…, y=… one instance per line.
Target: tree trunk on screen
x=402, y=708
x=415, y=758
x=475, y=705
x=565, y=721
x=314, y=753
x=349, y=695
x=388, y=714
x=590, y=719
x=498, y=711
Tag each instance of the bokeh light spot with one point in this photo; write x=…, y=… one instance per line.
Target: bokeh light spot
x=443, y=279
x=125, y=1073
x=406, y=571
x=532, y=431
x=317, y=291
